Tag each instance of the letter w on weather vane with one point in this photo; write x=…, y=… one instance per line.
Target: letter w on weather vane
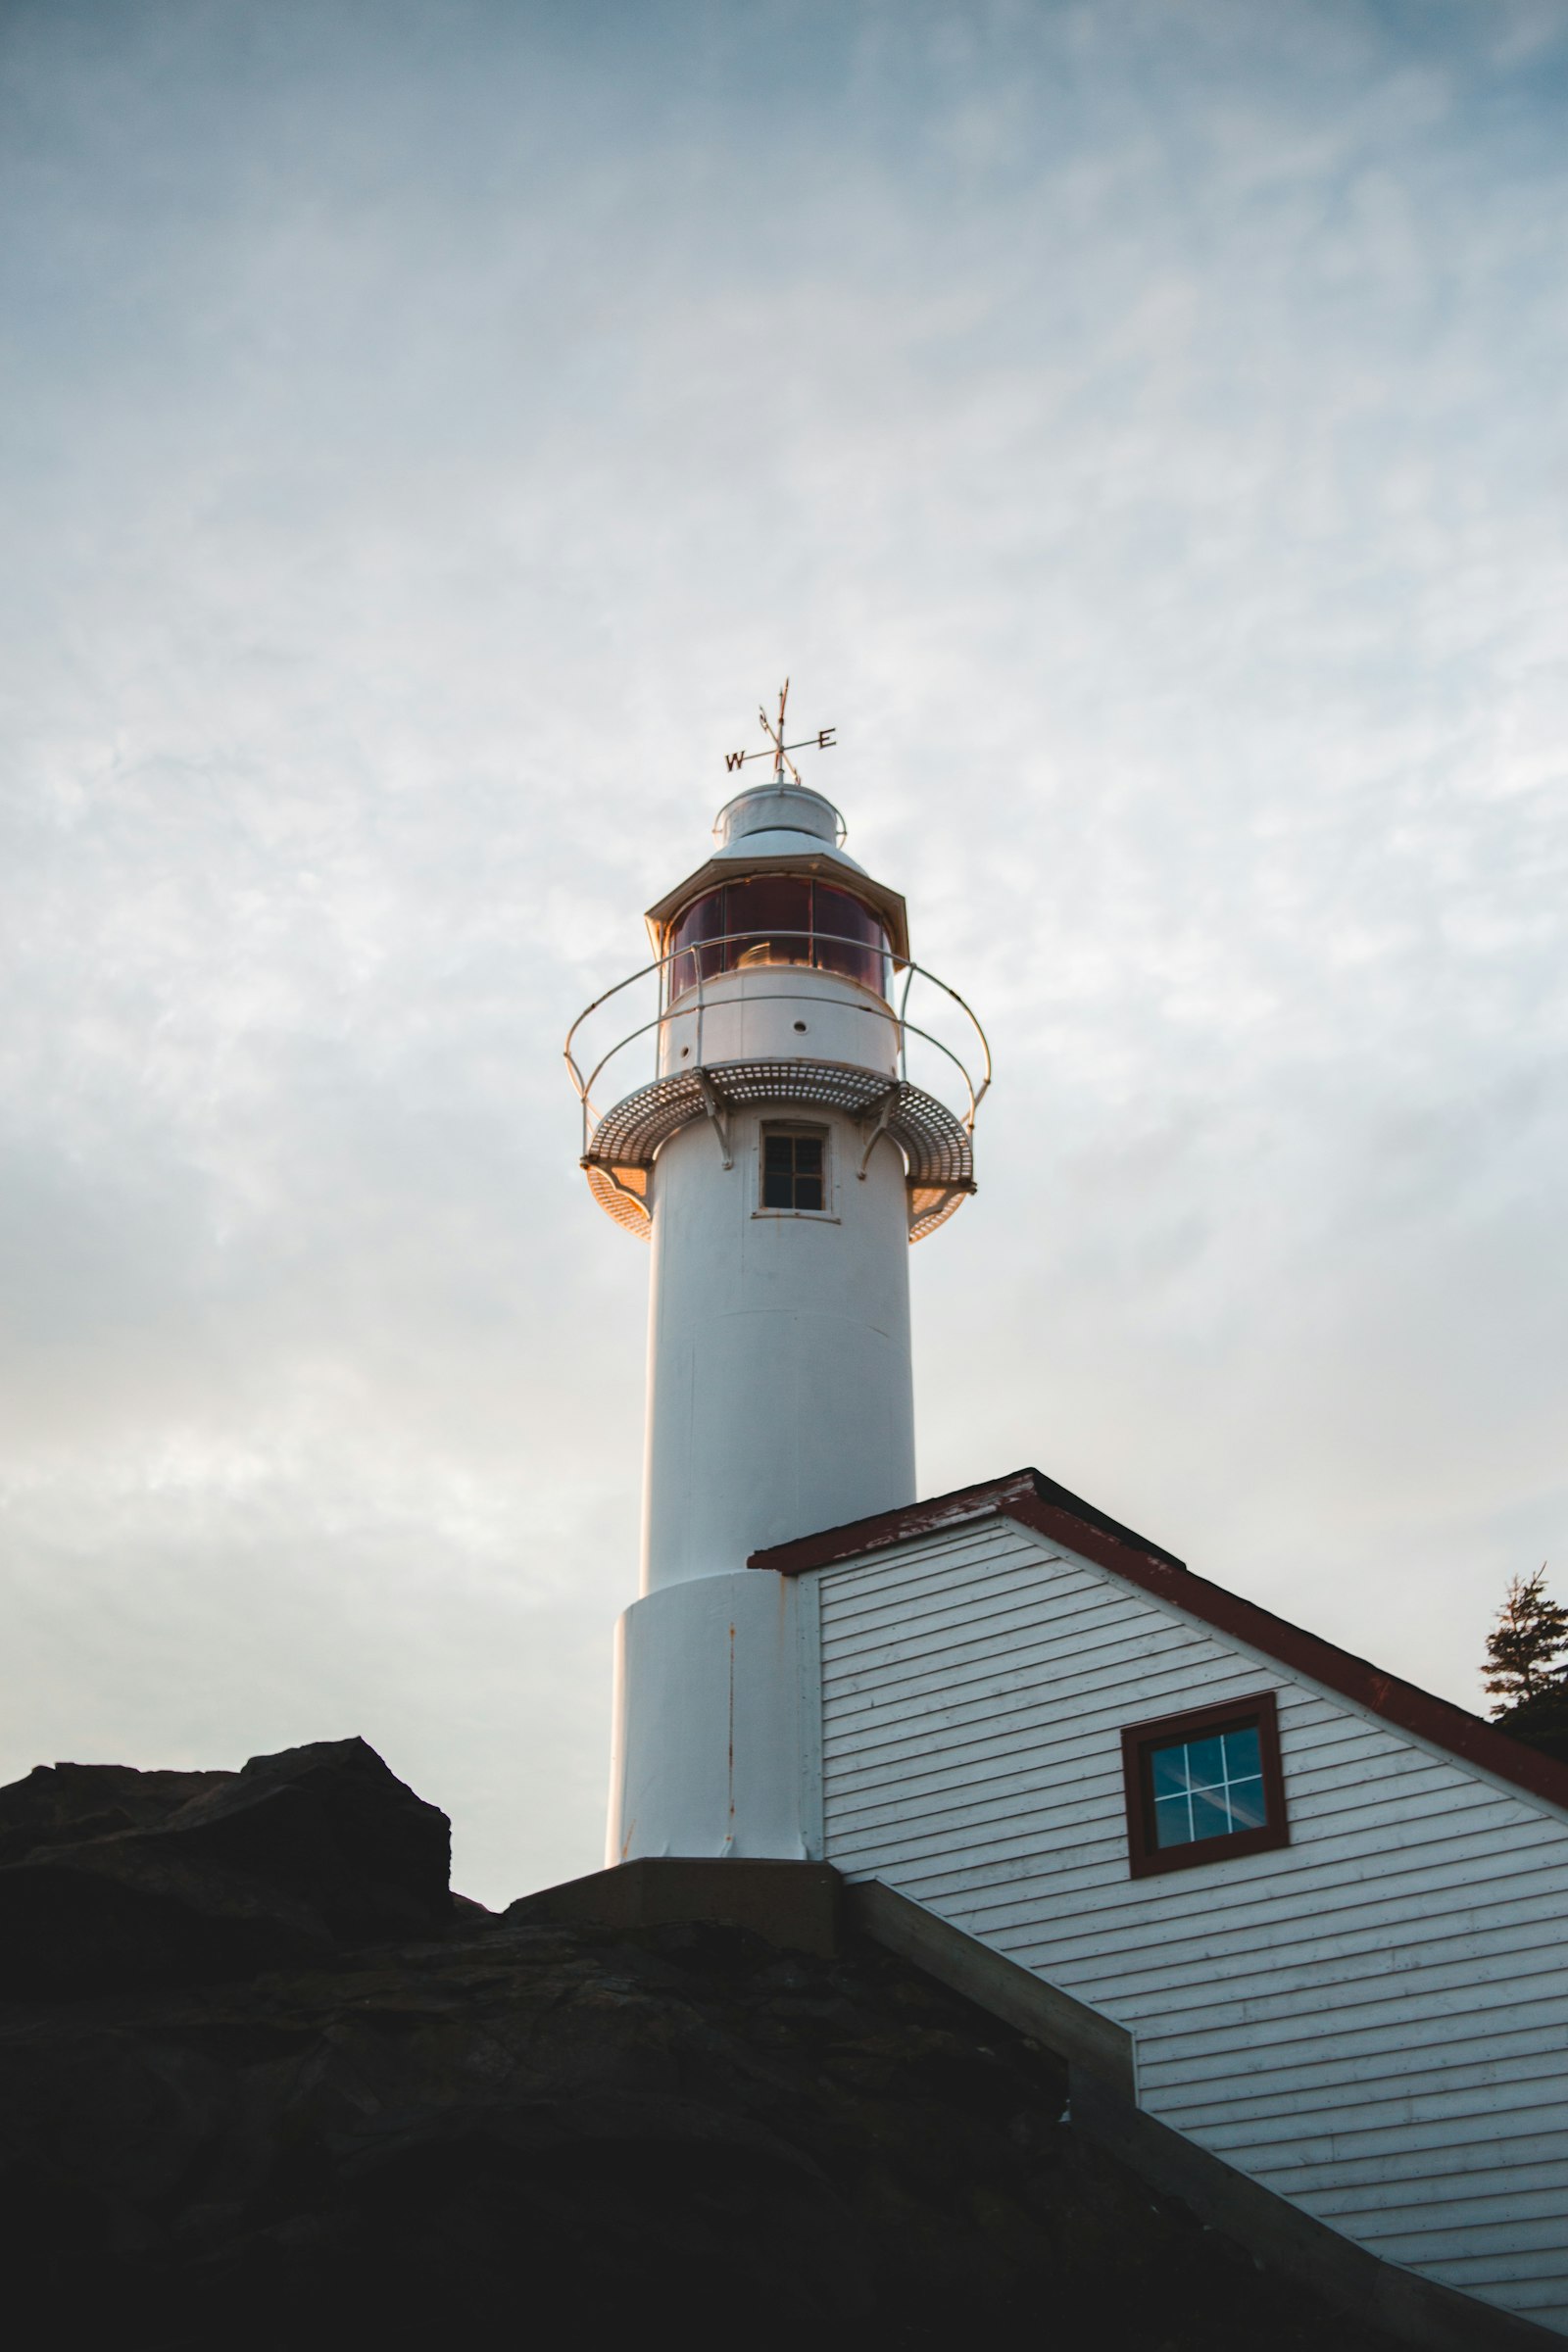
x=778, y=751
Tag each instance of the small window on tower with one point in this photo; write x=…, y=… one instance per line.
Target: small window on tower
x=795, y=1169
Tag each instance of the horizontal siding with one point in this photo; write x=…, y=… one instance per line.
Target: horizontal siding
x=1429, y=1866
x=1372, y=2021
x=1440, y=2068
x=1316, y=1752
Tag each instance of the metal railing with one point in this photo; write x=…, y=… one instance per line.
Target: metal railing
x=692, y=1004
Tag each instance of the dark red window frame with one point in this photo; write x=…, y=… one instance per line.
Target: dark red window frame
x=1148, y=1860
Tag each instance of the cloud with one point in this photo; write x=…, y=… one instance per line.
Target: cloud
x=433, y=429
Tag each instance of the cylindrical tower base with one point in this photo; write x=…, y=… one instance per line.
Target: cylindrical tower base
x=708, y=1754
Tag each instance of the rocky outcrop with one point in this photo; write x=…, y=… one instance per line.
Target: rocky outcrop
x=70, y=1804
x=525, y=2129
x=114, y=1878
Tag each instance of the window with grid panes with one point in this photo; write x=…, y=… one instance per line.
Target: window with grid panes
x=1203, y=1786
x=794, y=1168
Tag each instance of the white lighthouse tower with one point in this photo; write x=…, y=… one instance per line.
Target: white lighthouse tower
x=780, y=1161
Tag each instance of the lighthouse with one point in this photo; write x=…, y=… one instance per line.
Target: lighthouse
x=998, y=1731
x=779, y=1158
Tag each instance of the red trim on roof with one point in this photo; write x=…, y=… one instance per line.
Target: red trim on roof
x=1038, y=1503
x=859, y=1536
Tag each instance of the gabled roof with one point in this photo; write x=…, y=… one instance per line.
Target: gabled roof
x=1038, y=1503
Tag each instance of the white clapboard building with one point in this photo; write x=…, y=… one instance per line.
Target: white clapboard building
x=1328, y=1906
x=1325, y=1906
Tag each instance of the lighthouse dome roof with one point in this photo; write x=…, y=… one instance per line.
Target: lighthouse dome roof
x=772, y=819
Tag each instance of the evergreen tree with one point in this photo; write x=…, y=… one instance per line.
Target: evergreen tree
x=1530, y=1632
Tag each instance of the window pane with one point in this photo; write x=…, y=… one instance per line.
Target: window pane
x=847, y=937
x=703, y=920
x=1206, y=1763
x=1248, y=1807
x=1211, y=1815
x=1173, y=1820
x=794, y=1174
x=772, y=919
x=1210, y=1786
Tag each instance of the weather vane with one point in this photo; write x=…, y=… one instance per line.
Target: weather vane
x=780, y=750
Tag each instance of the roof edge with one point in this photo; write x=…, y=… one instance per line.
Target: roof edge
x=902, y=1525
x=1061, y=1517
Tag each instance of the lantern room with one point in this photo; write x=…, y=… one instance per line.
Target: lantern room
x=778, y=919
x=781, y=974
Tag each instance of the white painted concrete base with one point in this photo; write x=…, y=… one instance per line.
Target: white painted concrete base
x=709, y=1752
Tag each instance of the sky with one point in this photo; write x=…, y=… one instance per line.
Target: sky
x=429, y=430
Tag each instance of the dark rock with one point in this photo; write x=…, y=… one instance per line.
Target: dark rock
x=266, y=2124
x=122, y=1919
x=566, y=2131
x=61, y=1804
x=211, y=1873
x=330, y=1824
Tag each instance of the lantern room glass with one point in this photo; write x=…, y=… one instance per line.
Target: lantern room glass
x=778, y=918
